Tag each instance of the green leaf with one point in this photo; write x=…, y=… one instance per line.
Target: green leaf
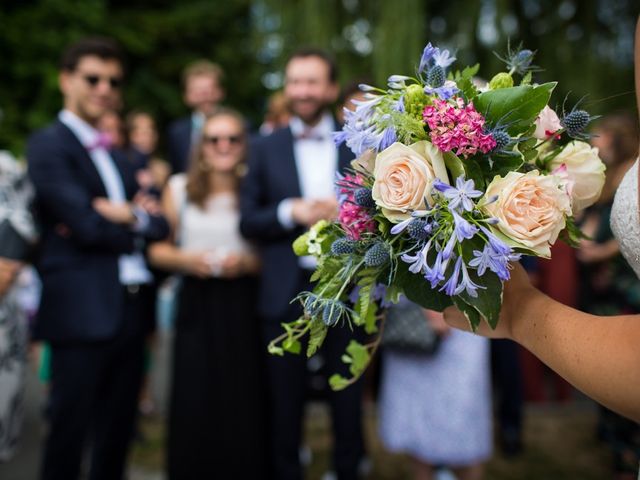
x=517, y=107
x=292, y=345
x=453, y=164
x=572, y=235
x=464, y=80
x=474, y=171
x=501, y=165
x=419, y=291
x=317, y=334
x=371, y=320
x=338, y=382
x=489, y=299
x=471, y=314
x=273, y=349
x=364, y=302
x=526, y=80
x=393, y=294
x=360, y=358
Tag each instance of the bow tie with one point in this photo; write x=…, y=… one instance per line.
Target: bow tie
x=103, y=140
x=310, y=134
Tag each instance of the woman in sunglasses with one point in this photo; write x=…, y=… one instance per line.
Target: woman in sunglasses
x=215, y=415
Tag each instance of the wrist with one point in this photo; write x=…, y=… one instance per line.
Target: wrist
x=529, y=304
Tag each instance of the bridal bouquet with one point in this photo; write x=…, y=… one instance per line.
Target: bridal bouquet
x=452, y=182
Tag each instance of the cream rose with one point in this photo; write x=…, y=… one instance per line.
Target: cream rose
x=531, y=208
x=403, y=177
x=585, y=171
x=547, y=124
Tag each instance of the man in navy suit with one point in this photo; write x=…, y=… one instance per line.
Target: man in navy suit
x=290, y=186
x=203, y=92
x=96, y=297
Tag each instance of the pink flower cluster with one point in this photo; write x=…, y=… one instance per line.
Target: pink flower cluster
x=457, y=127
x=355, y=220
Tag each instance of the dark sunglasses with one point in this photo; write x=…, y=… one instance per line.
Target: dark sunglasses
x=93, y=81
x=215, y=140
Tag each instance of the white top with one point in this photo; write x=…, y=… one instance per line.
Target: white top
x=624, y=218
x=214, y=229
x=132, y=268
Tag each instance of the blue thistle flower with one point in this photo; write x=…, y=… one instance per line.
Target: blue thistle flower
x=331, y=313
x=343, y=246
x=363, y=198
x=377, y=255
x=519, y=60
x=436, y=76
x=419, y=229
x=575, y=122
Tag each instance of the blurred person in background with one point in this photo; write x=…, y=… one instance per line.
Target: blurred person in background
x=216, y=418
x=17, y=235
x=142, y=135
x=609, y=286
x=111, y=124
x=436, y=408
x=203, y=92
x=289, y=187
x=96, y=302
x=277, y=114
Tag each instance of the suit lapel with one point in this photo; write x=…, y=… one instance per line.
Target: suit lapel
x=289, y=168
x=82, y=158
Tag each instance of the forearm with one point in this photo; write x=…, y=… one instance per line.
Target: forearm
x=166, y=256
x=598, y=355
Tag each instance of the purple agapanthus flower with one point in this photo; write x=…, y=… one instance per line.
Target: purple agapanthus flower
x=442, y=58
x=445, y=92
x=466, y=284
x=462, y=228
x=451, y=285
x=387, y=138
x=496, y=244
x=399, y=105
x=418, y=262
x=427, y=54
x=448, y=248
x=461, y=194
x=435, y=273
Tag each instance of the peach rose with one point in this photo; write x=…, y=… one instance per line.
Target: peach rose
x=403, y=177
x=584, y=170
x=547, y=124
x=531, y=208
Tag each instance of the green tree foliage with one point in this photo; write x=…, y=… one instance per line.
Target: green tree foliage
x=586, y=45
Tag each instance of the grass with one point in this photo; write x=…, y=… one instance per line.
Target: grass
x=559, y=440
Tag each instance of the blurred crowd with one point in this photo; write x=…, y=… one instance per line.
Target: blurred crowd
x=117, y=229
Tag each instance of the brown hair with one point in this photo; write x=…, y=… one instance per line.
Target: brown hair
x=198, y=188
x=623, y=129
x=101, y=47
x=203, y=67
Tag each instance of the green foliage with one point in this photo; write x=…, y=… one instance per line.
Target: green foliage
x=159, y=39
x=317, y=334
x=572, y=234
x=464, y=80
x=418, y=290
x=516, y=106
x=357, y=356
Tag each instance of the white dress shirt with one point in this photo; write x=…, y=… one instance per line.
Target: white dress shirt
x=316, y=158
x=132, y=267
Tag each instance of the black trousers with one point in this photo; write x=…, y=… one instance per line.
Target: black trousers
x=93, y=398
x=288, y=380
x=507, y=375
